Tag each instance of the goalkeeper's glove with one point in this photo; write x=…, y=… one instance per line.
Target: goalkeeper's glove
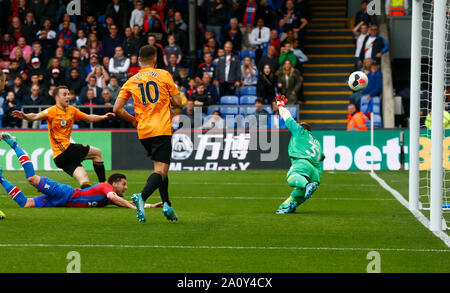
x=281, y=101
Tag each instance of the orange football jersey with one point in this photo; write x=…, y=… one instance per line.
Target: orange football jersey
x=60, y=124
x=151, y=89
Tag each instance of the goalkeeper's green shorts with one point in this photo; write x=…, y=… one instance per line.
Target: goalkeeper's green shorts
x=306, y=169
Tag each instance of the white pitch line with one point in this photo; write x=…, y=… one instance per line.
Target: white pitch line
x=225, y=247
x=419, y=216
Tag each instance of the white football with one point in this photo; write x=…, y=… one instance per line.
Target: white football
x=358, y=81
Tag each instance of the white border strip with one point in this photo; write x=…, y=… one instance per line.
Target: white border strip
x=419, y=216
x=225, y=247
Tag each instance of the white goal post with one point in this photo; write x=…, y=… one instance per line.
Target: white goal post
x=429, y=42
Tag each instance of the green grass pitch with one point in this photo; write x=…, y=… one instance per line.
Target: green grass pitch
x=227, y=223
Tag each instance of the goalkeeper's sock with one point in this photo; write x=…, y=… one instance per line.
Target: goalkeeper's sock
x=297, y=195
x=297, y=180
x=24, y=160
x=164, y=191
x=154, y=181
x=99, y=168
x=14, y=192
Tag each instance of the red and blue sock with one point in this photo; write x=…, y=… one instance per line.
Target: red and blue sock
x=14, y=192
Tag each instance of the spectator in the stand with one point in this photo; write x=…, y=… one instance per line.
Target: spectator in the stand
x=182, y=80
x=275, y=41
x=212, y=45
x=228, y=72
x=93, y=62
x=113, y=87
x=160, y=7
x=180, y=37
x=245, y=43
x=397, y=7
x=266, y=12
x=81, y=41
x=32, y=99
x=201, y=98
x=210, y=88
x=18, y=57
x=216, y=18
x=56, y=77
x=159, y=51
x=29, y=28
x=363, y=16
x=105, y=63
x=94, y=45
x=234, y=34
x=206, y=67
x=74, y=100
x=47, y=28
x=188, y=112
x=301, y=57
x=293, y=19
x=67, y=35
x=173, y=68
x=118, y=66
x=190, y=89
x=18, y=88
x=16, y=28
x=157, y=30
x=72, y=25
x=101, y=75
x=7, y=45
x=247, y=12
x=131, y=44
x=374, y=86
x=356, y=121
x=27, y=51
x=367, y=64
x=374, y=46
x=134, y=65
x=92, y=84
x=267, y=83
x=259, y=38
x=111, y=41
x=249, y=73
x=287, y=54
x=10, y=105
x=214, y=121
x=261, y=114
x=304, y=8
x=290, y=38
x=62, y=60
x=289, y=82
x=118, y=12
x=75, y=63
x=137, y=33
x=14, y=69
x=137, y=15
x=75, y=82
x=181, y=25
x=170, y=49
x=360, y=32
x=276, y=121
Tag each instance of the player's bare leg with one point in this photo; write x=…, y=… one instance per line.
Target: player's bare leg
x=81, y=176
x=95, y=154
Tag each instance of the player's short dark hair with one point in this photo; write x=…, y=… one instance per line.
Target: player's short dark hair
x=305, y=126
x=147, y=52
x=60, y=87
x=116, y=177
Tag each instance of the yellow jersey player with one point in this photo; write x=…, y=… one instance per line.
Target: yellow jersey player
x=66, y=155
x=154, y=94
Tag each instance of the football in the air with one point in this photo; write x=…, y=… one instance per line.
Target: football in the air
x=358, y=81
x=2, y=215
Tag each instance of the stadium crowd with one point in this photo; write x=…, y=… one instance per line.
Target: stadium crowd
x=248, y=46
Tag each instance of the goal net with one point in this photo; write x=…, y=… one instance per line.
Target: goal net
x=426, y=127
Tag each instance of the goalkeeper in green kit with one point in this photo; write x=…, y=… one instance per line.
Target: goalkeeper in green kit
x=306, y=154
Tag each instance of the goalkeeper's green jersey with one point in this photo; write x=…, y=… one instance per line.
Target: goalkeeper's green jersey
x=303, y=145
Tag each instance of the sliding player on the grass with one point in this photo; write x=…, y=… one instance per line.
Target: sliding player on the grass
x=154, y=93
x=66, y=155
x=305, y=153
x=61, y=195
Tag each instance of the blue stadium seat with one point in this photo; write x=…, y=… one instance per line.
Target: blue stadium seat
x=248, y=90
x=230, y=122
x=44, y=126
x=229, y=100
x=249, y=53
x=247, y=111
x=247, y=100
x=229, y=111
x=377, y=121
x=293, y=111
x=268, y=109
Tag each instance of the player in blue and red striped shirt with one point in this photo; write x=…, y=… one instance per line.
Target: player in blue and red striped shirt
x=62, y=195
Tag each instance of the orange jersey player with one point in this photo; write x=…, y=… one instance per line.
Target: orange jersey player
x=66, y=155
x=154, y=93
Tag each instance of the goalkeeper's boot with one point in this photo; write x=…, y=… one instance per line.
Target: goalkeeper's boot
x=169, y=213
x=139, y=202
x=288, y=208
x=310, y=188
x=8, y=138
